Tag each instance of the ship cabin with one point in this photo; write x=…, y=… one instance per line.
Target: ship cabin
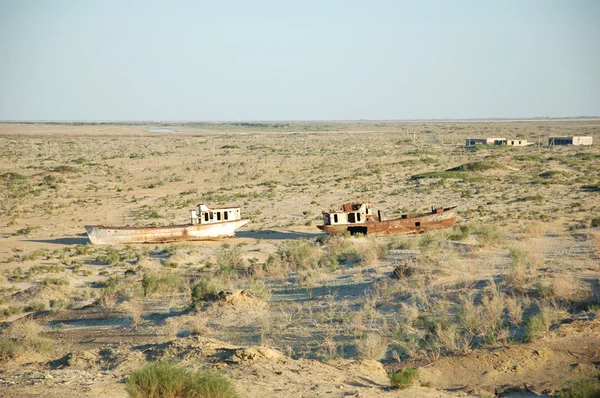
x=205, y=215
x=350, y=213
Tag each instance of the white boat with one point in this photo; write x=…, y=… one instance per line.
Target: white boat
x=205, y=224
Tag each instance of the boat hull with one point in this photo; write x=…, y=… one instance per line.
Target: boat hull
x=408, y=224
x=101, y=235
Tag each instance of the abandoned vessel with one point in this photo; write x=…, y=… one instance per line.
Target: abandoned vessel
x=360, y=217
x=205, y=224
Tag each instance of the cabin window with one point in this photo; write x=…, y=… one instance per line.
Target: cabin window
x=205, y=216
x=212, y=215
x=418, y=224
x=218, y=216
x=335, y=218
x=358, y=217
x=351, y=218
x=226, y=215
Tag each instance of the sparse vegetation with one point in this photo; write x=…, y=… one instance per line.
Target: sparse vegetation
x=372, y=346
x=516, y=274
x=582, y=389
x=169, y=380
x=404, y=378
x=23, y=337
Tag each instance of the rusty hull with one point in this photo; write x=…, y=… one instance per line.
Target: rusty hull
x=408, y=223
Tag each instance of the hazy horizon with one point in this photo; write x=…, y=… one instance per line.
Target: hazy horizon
x=188, y=61
x=56, y=121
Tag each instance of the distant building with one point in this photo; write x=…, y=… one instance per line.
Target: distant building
x=486, y=141
x=517, y=142
x=570, y=141
x=496, y=141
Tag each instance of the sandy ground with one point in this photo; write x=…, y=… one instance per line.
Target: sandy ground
x=299, y=335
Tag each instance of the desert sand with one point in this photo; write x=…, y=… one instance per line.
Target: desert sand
x=507, y=302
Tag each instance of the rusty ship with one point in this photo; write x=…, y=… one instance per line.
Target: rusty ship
x=206, y=223
x=360, y=217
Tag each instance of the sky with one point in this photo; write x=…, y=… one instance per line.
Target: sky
x=298, y=60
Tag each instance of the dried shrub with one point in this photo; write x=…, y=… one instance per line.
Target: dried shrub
x=515, y=307
x=372, y=346
x=135, y=309
x=523, y=257
x=21, y=337
x=489, y=235
x=198, y=325
x=484, y=319
x=171, y=327
x=517, y=279
x=534, y=229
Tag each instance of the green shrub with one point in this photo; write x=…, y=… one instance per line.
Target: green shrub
x=66, y=169
x=582, y=389
x=330, y=261
x=34, y=307
x=210, y=384
x=535, y=326
x=59, y=304
x=10, y=311
x=165, y=380
x=55, y=281
x=260, y=289
x=541, y=322
x=300, y=254
x=595, y=222
x=81, y=160
x=457, y=175
x=204, y=289
x=531, y=198
x=170, y=264
x=149, y=284
x=460, y=232
x=24, y=231
x=11, y=348
x=591, y=188
x=111, y=284
x=478, y=166
x=228, y=260
x=171, y=282
x=404, y=378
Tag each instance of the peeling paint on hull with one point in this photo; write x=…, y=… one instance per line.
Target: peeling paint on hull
x=101, y=235
x=410, y=224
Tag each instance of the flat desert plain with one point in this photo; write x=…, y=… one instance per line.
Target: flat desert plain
x=505, y=303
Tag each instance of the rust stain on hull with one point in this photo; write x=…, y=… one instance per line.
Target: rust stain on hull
x=376, y=224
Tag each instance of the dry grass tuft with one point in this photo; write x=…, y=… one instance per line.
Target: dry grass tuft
x=21, y=337
x=534, y=229
x=135, y=308
x=372, y=346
